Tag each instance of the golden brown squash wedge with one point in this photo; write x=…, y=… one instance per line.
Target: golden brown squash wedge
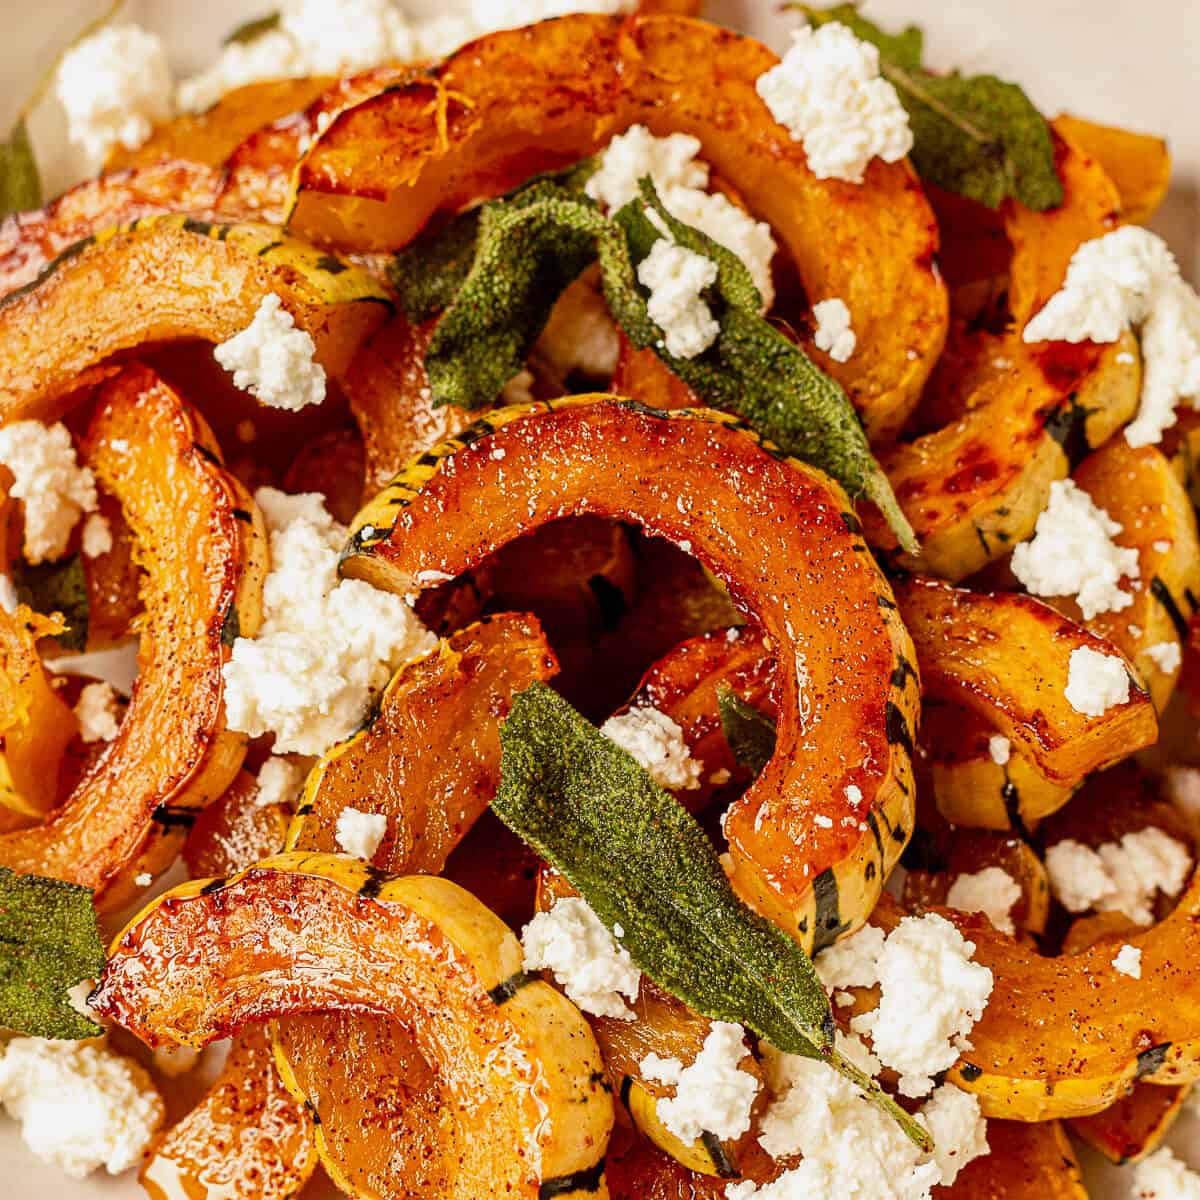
x=332, y=465
x=515, y=1056
x=170, y=277
x=1026, y=1162
x=1006, y=657
x=518, y=102
x=114, y=583
x=1138, y=163
x=1139, y=490
x=429, y=760
x=36, y=725
x=783, y=539
x=248, y=1139
x=235, y=831
x=204, y=549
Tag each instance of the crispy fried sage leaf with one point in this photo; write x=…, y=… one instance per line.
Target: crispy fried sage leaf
x=750, y=734
x=57, y=587
x=20, y=183
x=251, y=31
x=48, y=943
x=642, y=862
x=972, y=134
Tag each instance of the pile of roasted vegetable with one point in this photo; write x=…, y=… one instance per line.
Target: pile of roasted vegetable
x=803, y=559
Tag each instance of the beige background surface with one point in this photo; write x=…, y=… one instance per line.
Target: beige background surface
x=1130, y=62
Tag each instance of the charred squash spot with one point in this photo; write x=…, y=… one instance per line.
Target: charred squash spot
x=506, y=989
x=588, y=1180
x=1149, y=1062
x=717, y=1152
x=1162, y=594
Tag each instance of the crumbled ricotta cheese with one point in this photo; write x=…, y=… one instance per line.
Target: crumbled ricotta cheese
x=512, y=14
x=360, y=833
x=833, y=333
x=53, y=489
x=931, y=995
x=325, y=647
x=853, y=962
x=96, y=712
x=144, y=879
x=829, y=95
x=1119, y=876
x=1096, y=682
x=658, y=744
x=681, y=180
x=1166, y=656
x=850, y=1148
x=581, y=335
x=1181, y=786
x=81, y=1105
x=9, y=601
x=348, y=35
x=587, y=962
x=711, y=1095
x=1129, y=961
x=96, y=538
x=114, y=86
x=1000, y=749
x=1130, y=278
x=279, y=781
x=676, y=279
x=272, y=55
x=992, y=891
x=273, y=360
x=1162, y=1176
x=1072, y=554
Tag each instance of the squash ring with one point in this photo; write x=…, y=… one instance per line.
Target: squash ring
x=517, y=1056
x=783, y=538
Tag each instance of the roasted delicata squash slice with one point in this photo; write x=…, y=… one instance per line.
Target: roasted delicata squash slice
x=1139, y=164
x=172, y=277
x=36, y=724
x=201, y=541
x=1024, y=1162
x=975, y=487
x=1006, y=658
x=235, y=831
x=518, y=102
x=782, y=537
x=1139, y=490
x=430, y=760
x=517, y=1058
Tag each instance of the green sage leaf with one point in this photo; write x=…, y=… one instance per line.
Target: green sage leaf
x=57, y=587
x=643, y=863
x=749, y=733
x=976, y=135
x=48, y=943
x=251, y=31
x=20, y=183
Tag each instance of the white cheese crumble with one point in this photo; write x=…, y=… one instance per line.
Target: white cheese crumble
x=850, y=1148
x=676, y=279
x=1119, y=876
x=1072, y=554
x=658, y=745
x=1129, y=961
x=711, y=1095
x=96, y=538
x=1096, y=682
x=326, y=645
x=96, y=712
x=144, y=879
x=587, y=962
x=1130, y=278
x=273, y=360
x=833, y=333
x=279, y=781
x=360, y=833
x=1162, y=1176
x=1181, y=785
x=681, y=179
x=853, y=962
x=992, y=891
x=931, y=995
x=81, y=1105
x=174, y=1061
x=580, y=335
x=829, y=95
x=1166, y=656
x=114, y=86
x=9, y=601
x=1000, y=749
x=53, y=489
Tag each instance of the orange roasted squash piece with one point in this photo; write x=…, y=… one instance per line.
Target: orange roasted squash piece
x=523, y=101
x=202, y=543
x=783, y=539
x=517, y=1059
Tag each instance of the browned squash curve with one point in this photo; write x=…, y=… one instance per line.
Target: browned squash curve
x=783, y=539
x=204, y=549
x=518, y=1060
x=515, y=103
